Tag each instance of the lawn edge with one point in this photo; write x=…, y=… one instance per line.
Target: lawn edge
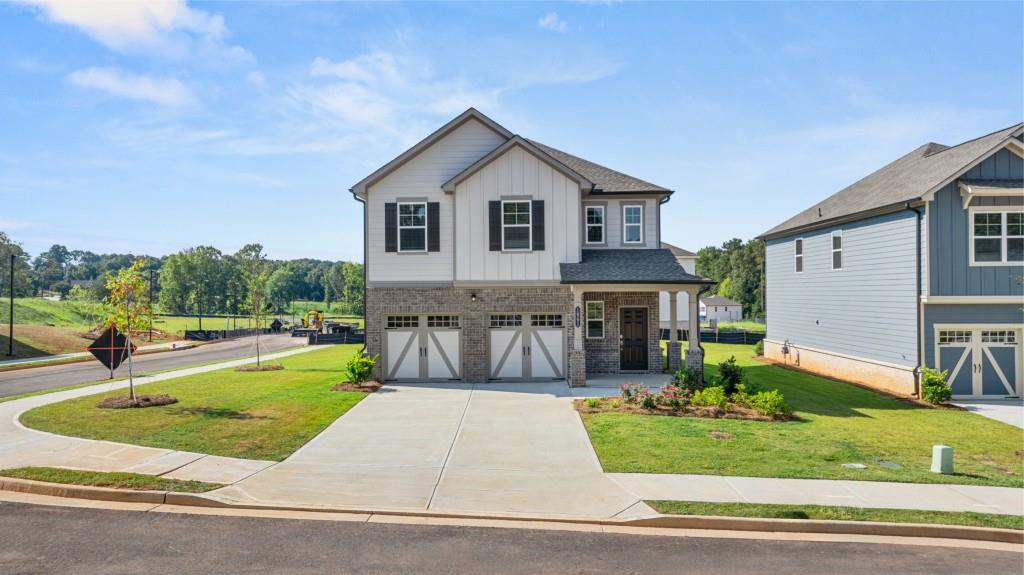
x=660, y=521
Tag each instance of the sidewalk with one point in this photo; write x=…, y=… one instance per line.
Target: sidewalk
x=20, y=446
x=874, y=494
x=58, y=357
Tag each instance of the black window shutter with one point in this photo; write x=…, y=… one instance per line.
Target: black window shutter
x=390, y=227
x=494, y=231
x=537, y=217
x=433, y=226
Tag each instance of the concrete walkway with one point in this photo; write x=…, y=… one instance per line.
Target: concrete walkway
x=516, y=449
x=1009, y=411
x=874, y=494
x=20, y=446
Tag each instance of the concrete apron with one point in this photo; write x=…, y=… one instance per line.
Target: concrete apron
x=514, y=450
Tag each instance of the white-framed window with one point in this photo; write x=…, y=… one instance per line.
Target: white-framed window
x=595, y=319
x=996, y=236
x=400, y=321
x=595, y=224
x=999, y=336
x=837, y=249
x=798, y=255
x=506, y=320
x=449, y=321
x=954, y=336
x=516, y=228
x=632, y=224
x=546, y=320
x=412, y=227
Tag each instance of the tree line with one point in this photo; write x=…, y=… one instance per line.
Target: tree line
x=738, y=267
x=199, y=280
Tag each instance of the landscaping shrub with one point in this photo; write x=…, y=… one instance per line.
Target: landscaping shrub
x=934, y=388
x=593, y=402
x=759, y=348
x=710, y=397
x=616, y=404
x=730, y=374
x=673, y=396
x=688, y=378
x=744, y=392
x=360, y=367
x=631, y=392
x=769, y=403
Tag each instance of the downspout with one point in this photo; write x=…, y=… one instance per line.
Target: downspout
x=919, y=305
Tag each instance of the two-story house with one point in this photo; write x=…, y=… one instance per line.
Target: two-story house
x=918, y=264
x=490, y=256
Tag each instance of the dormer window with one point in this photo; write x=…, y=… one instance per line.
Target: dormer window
x=632, y=224
x=595, y=224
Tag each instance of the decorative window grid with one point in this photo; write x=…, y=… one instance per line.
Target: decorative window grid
x=999, y=336
x=955, y=336
x=506, y=320
x=401, y=321
x=546, y=320
x=450, y=321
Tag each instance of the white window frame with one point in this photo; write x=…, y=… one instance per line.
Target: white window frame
x=587, y=320
x=1003, y=234
x=528, y=225
x=625, y=226
x=423, y=227
x=799, y=247
x=588, y=225
x=832, y=244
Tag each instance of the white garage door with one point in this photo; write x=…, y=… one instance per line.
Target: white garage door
x=527, y=346
x=422, y=347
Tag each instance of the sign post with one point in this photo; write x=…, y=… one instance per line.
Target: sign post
x=111, y=348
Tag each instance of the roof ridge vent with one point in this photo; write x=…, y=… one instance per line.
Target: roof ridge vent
x=933, y=148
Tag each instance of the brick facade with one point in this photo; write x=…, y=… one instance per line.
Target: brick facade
x=603, y=353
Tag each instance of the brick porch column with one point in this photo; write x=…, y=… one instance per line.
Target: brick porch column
x=674, y=349
x=694, y=356
x=577, y=375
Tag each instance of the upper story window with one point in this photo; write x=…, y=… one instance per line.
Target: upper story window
x=595, y=224
x=412, y=227
x=515, y=225
x=997, y=237
x=632, y=224
x=798, y=252
x=837, y=250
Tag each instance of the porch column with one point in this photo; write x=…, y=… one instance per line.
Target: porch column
x=674, y=349
x=694, y=357
x=577, y=372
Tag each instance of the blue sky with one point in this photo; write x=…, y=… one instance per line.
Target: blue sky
x=150, y=127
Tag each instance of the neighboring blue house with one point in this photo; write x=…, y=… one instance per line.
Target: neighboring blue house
x=919, y=264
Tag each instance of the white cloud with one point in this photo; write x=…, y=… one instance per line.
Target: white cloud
x=164, y=91
x=551, y=21
x=169, y=27
x=256, y=78
x=6, y=224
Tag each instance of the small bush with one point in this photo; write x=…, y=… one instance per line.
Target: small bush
x=934, y=388
x=744, y=392
x=593, y=402
x=710, y=397
x=769, y=403
x=673, y=396
x=688, y=378
x=730, y=374
x=648, y=400
x=360, y=367
x=630, y=392
x=759, y=348
x=616, y=404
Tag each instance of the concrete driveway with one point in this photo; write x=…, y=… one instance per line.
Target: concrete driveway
x=1006, y=410
x=517, y=449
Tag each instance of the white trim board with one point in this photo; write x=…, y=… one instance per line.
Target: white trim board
x=973, y=299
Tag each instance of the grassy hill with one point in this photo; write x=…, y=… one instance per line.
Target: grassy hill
x=37, y=311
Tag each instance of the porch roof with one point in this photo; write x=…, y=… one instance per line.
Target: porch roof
x=628, y=266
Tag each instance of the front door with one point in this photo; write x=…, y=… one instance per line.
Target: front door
x=633, y=339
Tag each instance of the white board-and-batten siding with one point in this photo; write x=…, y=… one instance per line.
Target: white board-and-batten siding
x=516, y=174
x=867, y=309
x=422, y=177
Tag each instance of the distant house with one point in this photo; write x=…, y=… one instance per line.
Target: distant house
x=688, y=260
x=918, y=264
x=720, y=308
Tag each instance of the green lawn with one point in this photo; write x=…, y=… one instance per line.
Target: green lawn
x=751, y=326
x=254, y=415
x=836, y=513
x=117, y=480
x=839, y=424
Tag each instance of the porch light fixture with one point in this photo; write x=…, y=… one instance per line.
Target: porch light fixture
x=472, y=296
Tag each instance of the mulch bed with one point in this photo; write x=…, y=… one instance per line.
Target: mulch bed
x=733, y=412
x=259, y=368
x=366, y=387
x=125, y=402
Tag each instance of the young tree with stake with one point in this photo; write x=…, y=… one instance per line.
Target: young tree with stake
x=255, y=273
x=126, y=306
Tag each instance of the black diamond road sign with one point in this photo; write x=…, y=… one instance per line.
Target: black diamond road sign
x=110, y=348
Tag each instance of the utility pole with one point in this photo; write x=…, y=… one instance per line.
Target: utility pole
x=150, y=305
x=10, y=318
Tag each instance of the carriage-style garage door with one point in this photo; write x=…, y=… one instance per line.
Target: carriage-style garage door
x=527, y=346
x=422, y=347
x=982, y=362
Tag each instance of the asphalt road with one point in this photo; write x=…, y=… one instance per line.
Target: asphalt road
x=42, y=539
x=14, y=382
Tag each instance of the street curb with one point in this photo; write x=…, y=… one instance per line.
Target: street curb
x=658, y=521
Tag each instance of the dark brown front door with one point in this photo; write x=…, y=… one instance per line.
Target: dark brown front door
x=633, y=332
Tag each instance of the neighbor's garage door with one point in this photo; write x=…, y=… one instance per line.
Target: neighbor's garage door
x=527, y=346
x=422, y=347
x=981, y=362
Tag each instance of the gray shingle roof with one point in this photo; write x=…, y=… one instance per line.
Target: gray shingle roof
x=677, y=251
x=718, y=300
x=628, y=266
x=906, y=179
x=605, y=179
